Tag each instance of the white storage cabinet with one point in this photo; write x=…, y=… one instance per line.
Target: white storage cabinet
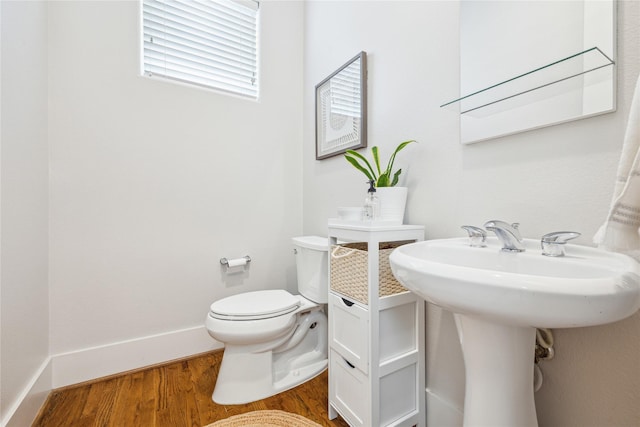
x=376, y=343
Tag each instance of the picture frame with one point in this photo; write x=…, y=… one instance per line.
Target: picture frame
x=341, y=109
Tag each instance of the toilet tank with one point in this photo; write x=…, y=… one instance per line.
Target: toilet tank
x=312, y=264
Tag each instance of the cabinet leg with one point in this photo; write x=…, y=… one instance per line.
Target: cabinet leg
x=332, y=412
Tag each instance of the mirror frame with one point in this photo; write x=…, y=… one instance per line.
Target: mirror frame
x=353, y=132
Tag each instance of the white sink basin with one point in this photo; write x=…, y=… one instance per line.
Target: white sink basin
x=499, y=298
x=586, y=287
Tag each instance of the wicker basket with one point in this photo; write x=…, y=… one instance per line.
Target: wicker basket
x=349, y=270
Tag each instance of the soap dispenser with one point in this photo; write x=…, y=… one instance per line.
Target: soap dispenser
x=371, y=204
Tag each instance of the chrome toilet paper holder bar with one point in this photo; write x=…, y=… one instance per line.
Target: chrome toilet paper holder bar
x=238, y=261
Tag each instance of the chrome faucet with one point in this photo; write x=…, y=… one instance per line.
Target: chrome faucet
x=508, y=234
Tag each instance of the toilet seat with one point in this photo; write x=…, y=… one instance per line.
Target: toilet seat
x=255, y=305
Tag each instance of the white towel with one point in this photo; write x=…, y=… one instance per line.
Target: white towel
x=621, y=230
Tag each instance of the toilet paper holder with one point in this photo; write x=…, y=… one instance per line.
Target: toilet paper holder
x=235, y=262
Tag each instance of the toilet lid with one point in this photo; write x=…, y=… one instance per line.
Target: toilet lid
x=255, y=305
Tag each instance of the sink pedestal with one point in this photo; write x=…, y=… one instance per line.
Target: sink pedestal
x=499, y=373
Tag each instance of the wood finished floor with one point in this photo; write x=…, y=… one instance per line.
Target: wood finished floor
x=172, y=395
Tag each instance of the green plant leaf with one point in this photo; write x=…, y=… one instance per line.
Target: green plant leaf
x=376, y=157
x=396, y=177
x=383, y=181
x=393, y=156
x=361, y=157
x=352, y=157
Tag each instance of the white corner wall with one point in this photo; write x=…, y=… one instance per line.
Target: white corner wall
x=121, y=193
x=24, y=207
x=555, y=178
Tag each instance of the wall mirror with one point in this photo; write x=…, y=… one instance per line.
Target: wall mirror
x=341, y=113
x=530, y=64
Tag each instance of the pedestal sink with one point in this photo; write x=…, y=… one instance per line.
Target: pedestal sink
x=500, y=298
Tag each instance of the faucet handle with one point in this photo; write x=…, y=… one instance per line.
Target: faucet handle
x=516, y=231
x=477, y=236
x=553, y=243
x=496, y=223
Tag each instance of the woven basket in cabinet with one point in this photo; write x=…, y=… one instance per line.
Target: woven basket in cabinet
x=349, y=270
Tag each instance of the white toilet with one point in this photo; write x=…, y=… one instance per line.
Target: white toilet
x=273, y=340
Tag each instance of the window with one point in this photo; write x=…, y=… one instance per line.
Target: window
x=210, y=43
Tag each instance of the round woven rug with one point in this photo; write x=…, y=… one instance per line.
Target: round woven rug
x=269, y=418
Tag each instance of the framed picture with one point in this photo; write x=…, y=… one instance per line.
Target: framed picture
x=341, y=109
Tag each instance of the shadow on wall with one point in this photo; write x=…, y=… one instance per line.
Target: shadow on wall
x=234, y=271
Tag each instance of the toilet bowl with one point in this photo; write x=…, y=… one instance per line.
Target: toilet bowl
x=273, y=340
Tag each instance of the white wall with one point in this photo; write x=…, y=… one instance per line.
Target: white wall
x=121, y=193
x=152, y=183
x=550, y=179
x=24, y=305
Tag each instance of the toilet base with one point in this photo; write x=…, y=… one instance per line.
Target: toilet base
x=247, y=376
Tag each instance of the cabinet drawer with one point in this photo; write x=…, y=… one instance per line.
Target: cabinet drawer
x=348, y=391
x=348, y=331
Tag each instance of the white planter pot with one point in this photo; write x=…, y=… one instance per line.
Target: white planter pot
x=392, y=203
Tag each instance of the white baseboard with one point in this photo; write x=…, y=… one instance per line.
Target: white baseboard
x=25, y=408
x=95, y=362
x=442, y=413
x=74, y=367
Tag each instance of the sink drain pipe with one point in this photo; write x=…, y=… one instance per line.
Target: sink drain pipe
x=544, y=351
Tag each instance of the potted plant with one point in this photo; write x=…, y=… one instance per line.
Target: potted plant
x=392, y=199
x=380, y=178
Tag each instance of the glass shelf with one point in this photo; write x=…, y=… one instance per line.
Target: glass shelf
x=543, y=77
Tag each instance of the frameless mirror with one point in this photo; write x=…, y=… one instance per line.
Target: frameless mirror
x=341, y=114
x=530, y=64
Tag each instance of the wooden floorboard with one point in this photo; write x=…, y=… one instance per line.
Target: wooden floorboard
x=172, y=395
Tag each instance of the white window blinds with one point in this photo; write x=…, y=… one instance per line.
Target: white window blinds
x=212, y=43
x=345, y=91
